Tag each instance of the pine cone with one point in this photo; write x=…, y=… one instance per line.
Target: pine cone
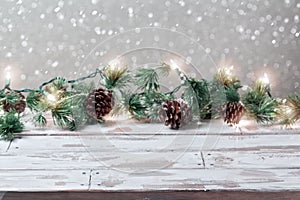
x=19, y=106
x=99, y=103
x=232, y=112
x=177, y=113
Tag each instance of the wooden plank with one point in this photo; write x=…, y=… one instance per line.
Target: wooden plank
x=44, y=180
x=4, y=146
x=147, y=195
x=139, y=157
x=284, y=158
x=211, y=127
x=66, y=152
x=135, y=128
x=198, y=179
x=42, y=153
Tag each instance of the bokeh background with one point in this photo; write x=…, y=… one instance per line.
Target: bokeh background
x=41, y=39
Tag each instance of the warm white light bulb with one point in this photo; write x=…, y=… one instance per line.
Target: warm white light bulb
x=173, y=65
x=7, y=78
x=266, y=79
x=114, y=64
x=51, y=97
x=228, y=70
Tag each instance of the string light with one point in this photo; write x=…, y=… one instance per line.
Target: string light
x=7, y=79
x=266, y=82
x=228, y=70
x=50, y=97
x=173, y=65
x=114, y=64
x=265, y=79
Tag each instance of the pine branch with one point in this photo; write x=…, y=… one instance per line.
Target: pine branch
x=40, y=120
x=115, y=78
x=12, y=98
x=138, y=105
x=225, y=78
x=260, y=106
x=232, y=94
x=33, y=101
x=10, y=124
x=60, y=83
x=289, y=110
x=148, y=78
x=146, y=105
x=62, y=115
x=83, y=88
x=197, y=95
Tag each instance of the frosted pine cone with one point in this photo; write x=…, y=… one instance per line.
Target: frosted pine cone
x=177, y=113
x=233, y=112
x=20, y=104
x=99, y=103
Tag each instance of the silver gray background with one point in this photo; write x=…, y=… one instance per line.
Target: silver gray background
x=44, y=39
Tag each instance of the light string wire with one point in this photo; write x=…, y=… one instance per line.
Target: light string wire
x=40, y=88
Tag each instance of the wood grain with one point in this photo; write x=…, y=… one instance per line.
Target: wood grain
x=130, y=157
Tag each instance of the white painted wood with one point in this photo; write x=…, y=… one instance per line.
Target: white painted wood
x=284, y=158
x=198, y=179
x=4, y=145
x=40, y=152
x=44, y=180
x=137, y=156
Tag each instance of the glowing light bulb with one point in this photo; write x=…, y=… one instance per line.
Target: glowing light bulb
x=288, y=111
x=50, y=97
x=228, y=70
x=7, y=78
x=173, y=65
x=265, y=79
x=114, y=64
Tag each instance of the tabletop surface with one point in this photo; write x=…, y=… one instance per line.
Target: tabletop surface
x=132, y=156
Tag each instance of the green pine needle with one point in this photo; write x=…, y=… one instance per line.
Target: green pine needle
x=115, y=78
x=224, y=77
x=147, y=79
x=197, y=95
x=138, y=106
x=63, y=120
x=146, y=105
x=78, y=110
x=261, y=87
x=12, y=98
x=232, y=94
x=62, y=115
x=40, y=120
x=33, y=101
x=10, y=124
x=60, y=83
x=260, y=106
x=218, y=97
x=289, y=111
x=83, y=88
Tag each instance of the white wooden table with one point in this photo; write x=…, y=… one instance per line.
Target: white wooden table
x=141, y=157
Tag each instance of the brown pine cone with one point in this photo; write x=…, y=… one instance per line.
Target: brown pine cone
x=177, y=113
x=19, y=106
x=232, y=112
x=99, y=103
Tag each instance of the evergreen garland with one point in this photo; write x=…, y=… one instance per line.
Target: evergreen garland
x=259, y=104
x=9, y=124
x=289, y=110
x=65, y=99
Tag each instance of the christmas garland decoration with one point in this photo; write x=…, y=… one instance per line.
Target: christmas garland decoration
x=74, y=104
